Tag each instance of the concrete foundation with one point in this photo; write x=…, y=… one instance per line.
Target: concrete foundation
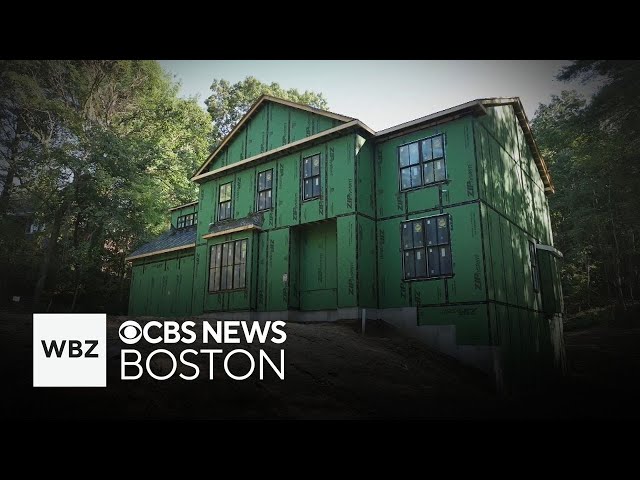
x=441, y=338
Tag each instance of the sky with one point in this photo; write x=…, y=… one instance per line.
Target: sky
x=385, y=93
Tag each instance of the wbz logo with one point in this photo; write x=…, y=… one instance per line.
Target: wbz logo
x=75, y=348
x=69, y=350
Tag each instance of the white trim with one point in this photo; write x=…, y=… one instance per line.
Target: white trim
x=158, y=252
x=549, y=248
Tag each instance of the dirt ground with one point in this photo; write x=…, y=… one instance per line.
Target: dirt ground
x=331, y=372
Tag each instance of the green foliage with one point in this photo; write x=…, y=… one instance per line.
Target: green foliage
x=106, y=147
x=593, y=149
x=228, y=103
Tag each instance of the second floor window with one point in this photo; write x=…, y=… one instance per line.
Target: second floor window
x=265, y=185
x=311, y=184
x=187, y=220
x=422, y=162
x=224, y=204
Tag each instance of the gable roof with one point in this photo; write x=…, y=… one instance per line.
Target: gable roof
x=169, y=241
x=286, y=148
x=477, y=107
x=254, y=108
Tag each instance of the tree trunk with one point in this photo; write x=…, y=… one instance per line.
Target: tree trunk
x=49, y=253
x=5, y=195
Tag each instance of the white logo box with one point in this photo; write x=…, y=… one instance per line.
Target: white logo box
x=75, y=359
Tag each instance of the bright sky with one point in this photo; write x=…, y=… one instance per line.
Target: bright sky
x=384, y=93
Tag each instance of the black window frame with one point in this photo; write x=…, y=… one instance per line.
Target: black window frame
x=187, y=220
x=535, y=266
x=432, y=237
x=311, y=177
x=226, y=202
x=220, y=265
x=423, y=164
x=264, y=190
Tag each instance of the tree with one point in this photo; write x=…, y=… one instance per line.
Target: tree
x=119, y=151
x=228, y=103
x=593, y=149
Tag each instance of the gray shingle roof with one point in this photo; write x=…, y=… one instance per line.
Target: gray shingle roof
x=170, y=239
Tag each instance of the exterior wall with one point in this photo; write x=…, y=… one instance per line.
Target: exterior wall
x=284, y=240
x=460, y=301
x=514, y=212
x=272, y=126
x=162, y=284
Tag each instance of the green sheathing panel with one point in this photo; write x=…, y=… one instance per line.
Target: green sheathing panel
x=162, y=285
x=287, y=200
x=525, y=347
x=470, y=321
x=136, y=292
x=467, y=284
x=277, y=266
x=341, y=184
x=461, y=184
x=235, y=299
x=262, y=273
x=507, y=259
x=393, y=291
x=200, y=276
x=256, y=132
x=365, y=198
x=300, y=125
x=318, y=275
x=303, y=124
x=244, y=193
x=207, y=206
x=278, y=127
x=509, y=178
x=366, y=262
x=294, y=268
x=236, y=148
x=347, y=261
x=271, y=126
x=460, y=161
x=185, y=286
x=183, y=211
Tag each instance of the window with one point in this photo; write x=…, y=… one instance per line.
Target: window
x=224, y=205
x=187, y=220
x=535, y=273
x=311, y=177
x=426, y=248
x=265, y=183
x=227, y=266
x=422, y=162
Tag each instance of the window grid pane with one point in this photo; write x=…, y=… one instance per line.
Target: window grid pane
x=426, y=245
x=428, y=158
x=227, y=266
x=265, y=184
x=311, y=181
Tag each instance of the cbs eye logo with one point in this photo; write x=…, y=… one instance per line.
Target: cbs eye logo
x=130, y=332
